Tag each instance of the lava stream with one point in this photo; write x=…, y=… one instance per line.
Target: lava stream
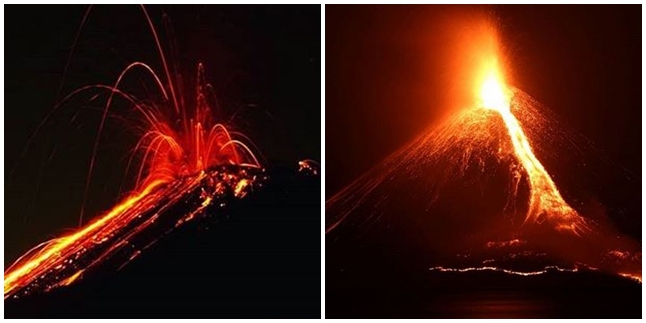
x=193, y=164
x=545, y=201
x=131, y=226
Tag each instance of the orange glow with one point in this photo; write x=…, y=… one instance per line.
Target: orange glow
x=506, y=271
x=239, y=190
x=502, y=244
x=17, y=275
x=72, y=278
x=545, y=200
x=308, y=166
x=637, y=278
x=493, y=140
x=494, y=96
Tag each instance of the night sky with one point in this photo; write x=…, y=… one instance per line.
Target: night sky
x=387, y=69
x=263, y=62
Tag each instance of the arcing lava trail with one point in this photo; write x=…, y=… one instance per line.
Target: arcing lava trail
x=185, y=169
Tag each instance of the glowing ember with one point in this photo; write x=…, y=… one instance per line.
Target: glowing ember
x=161, y=206
x=506, y=271
x=308, y=166
x=637, y=278
x=502, y=244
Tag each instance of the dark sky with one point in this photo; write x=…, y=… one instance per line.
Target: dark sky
x=266, y=57
x=387, y=66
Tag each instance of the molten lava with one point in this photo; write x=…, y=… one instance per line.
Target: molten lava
x=545, y=201
x=124, y=232
x=183, y=170
x=453, y=192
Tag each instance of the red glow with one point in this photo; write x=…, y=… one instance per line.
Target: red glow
x=173, y=161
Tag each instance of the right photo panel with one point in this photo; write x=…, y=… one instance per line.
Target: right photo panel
x=483, y=161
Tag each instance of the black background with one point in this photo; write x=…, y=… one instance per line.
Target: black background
x=263, y=260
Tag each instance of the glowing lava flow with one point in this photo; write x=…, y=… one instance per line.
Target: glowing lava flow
x=121, y=234
x=545, y=201
x=506, y=271
x=26, y=271
x=453, y=193
x=182, y=172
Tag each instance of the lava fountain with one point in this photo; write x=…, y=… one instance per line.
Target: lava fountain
x=184, y=170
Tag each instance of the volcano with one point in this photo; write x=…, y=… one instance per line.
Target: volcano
x=461, y=204
x=204, y=223
x=210, y=265
x=464, y=185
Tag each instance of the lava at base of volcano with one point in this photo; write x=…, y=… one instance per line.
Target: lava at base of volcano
x=132, y=226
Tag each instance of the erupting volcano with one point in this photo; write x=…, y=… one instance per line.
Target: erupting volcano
x=472, y=193
x=185, y=165
x=199, y=165
x=545, y=201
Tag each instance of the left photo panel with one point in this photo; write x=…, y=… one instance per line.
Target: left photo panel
x=162, y=161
